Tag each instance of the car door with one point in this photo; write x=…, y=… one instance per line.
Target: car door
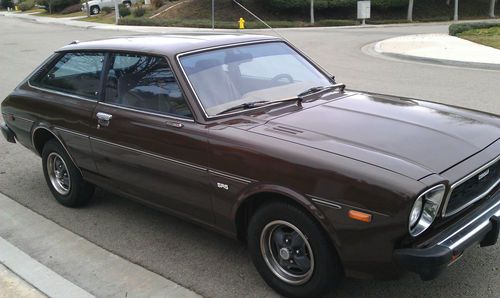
x=64, y=95
x=146, y=141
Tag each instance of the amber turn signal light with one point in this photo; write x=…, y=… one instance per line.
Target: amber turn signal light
x=361, y=216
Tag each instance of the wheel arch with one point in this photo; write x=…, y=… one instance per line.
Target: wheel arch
x=251, y=200
x=42, y=134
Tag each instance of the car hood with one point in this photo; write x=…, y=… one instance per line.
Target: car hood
x=410, y=137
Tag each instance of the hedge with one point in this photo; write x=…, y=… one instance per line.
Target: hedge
x=456, y=29
x=320, y=4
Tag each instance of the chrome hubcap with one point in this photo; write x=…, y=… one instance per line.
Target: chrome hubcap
x=58, y=173
x=287, y=252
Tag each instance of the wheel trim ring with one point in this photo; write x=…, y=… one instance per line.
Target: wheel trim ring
x=56, y=182
x=270, y=258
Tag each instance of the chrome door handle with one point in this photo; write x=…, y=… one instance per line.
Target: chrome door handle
x=103, y=119
x=174, y=124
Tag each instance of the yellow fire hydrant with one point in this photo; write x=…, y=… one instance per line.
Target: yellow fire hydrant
x=242, y=23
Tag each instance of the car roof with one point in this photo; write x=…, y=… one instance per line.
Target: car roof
x=167, y=45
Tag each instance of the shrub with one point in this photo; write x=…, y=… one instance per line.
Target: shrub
x=319, y=4
x=123, y=11
x=456, y=29
x=26, y=5
x=139, y=12
x=57, y=5
x=157, y=3
x=332, y=22
x=72, y=8
x=7, y=3
x=107, y=9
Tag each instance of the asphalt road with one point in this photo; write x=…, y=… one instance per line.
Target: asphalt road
x=204, y=261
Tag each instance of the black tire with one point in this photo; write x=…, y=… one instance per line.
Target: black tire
x=326, y=268
x=95, y=10
x=76, y=192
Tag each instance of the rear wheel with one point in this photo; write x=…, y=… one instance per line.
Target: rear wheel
x=291, y=251
x=63, y=178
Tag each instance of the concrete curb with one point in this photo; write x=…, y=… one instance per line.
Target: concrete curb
x=371, y=50
x=36, y=274
x=83, y=266
x=487, y=66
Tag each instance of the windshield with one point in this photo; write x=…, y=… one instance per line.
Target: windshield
x=227, y=77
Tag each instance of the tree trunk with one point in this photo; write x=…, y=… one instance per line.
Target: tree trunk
x=312, y=11
x=117, y=12
x=492, y=8
x=410, y=11
x=87, y=8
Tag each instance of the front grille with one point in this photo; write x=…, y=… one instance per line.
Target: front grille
x=473, y=188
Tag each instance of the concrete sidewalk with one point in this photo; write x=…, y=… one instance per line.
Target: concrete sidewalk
x=441, y=49
x=45, y=259
x=12, y=285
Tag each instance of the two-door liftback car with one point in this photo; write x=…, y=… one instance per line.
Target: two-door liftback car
x=246, y=135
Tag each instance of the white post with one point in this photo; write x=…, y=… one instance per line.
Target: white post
x=117, y=12
x=492, y=8
x=410, y=11
x=213, y=14
x=312, y=11
x=455, y=14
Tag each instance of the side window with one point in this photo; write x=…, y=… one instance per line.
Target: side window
x=145, y=83
x=74, y=73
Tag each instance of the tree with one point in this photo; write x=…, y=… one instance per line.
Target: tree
x=410, y=11
x=492, y=8
x=312, y=11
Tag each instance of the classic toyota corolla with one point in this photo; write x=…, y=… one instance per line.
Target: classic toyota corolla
x=246, y=135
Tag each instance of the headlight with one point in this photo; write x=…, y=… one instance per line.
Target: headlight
x=425, y=209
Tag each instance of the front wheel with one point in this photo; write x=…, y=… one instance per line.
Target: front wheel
x=291, y=252
x=95, y=10
x=63, y=177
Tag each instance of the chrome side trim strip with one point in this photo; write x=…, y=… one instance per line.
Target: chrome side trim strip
x=229, y=176
x=479, y=197
x=71, y=132
x=18, y=117
x=325, y=203
x=24, y=119
x=61, y=93
x=342, y=205
x=58, y=139
x=456, y=242
x=151, y=154
x=146, y=112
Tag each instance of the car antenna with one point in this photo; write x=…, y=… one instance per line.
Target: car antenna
x=262, y=21
x=284, y=38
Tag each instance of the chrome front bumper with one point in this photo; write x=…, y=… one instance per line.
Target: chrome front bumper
x=480, y=227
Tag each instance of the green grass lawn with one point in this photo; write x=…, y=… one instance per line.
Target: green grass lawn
x=488, y=36
x=101, y=18
x=58, y=15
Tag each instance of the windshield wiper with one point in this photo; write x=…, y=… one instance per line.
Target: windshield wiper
x=245, y=106
x=317, y=89
x=299, y=99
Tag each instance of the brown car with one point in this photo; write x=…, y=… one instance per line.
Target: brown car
x=245, y=135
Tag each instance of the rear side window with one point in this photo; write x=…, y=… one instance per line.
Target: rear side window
x=74, y=73
x=144, y=83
